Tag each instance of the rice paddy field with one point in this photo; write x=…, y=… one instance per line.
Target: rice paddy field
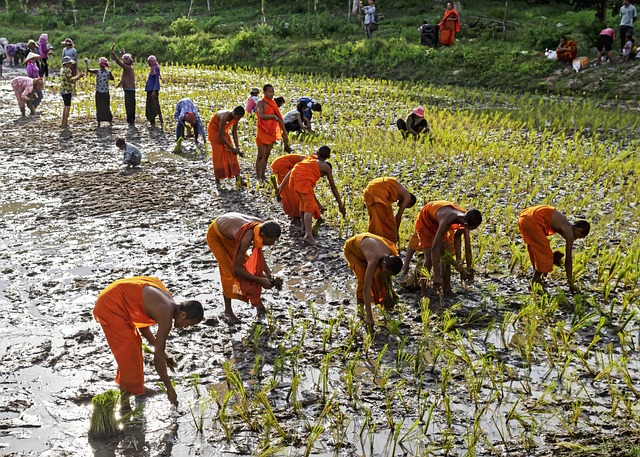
x=496, y=370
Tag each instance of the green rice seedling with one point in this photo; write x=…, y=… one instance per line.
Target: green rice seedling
x=194, y=383
x=199, y=414
x=258, y=332
x=103, y=423
x=270, y=417
x=178, y=147
x=339, y=424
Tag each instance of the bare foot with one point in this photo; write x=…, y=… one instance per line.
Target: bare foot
x=310, y=240
x=241, y=182
x=231, y=318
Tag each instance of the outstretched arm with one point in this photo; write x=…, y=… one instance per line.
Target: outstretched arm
x=366, y=293
x=568, y=263
x=284, y=183
x=436, y=252
x=335, y=192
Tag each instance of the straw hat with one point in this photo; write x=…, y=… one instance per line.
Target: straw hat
x=32, y=55
x=103, y=62
x=254, y=91
x=67, y=59
x=419, y=111
x=68, y=41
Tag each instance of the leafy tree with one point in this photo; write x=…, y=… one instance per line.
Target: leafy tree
x=599, y=5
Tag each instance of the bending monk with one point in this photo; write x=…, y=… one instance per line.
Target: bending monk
x=379, y=195
x=302, y=180
x=449, y=25
x=126, y=309
x=371, y=258
x=270, y=129
x=242, y=276
x=440, y=226
x=223, y=154
x=536, y=224
x=281, y=167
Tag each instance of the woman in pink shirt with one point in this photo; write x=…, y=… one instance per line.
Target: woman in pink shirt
x=605, y=42
x=25, y=88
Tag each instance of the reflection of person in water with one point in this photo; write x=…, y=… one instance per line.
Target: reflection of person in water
x=126, y=309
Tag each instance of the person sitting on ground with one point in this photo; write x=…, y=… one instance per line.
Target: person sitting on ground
x=187, y=113
x=302, y=180
x=294, y=121
x=605, y=44
x=566, y=51
x=132, y=156
x=415, y=124
x=224, y=155
x=440, y=227
x=379, y=195
x=311, y=107
x=126, y=309
x=536, y=223
x=252, y=101
x=630, y=50
x=243, y=277
x=25, y=89
x=371, y=258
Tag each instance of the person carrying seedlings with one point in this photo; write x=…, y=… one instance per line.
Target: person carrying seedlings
x=103, y=98
x=311, y=106
x=132, y=155
x=229, y=237
x=152, y=88
x=536, y=223
x=289, y=198
x=270, y=129
x=302, y=180
x=187, y=113
x=415, y=124
x=33, y=71
x=44, y=49
x=126, y=309
x=128, y=84
x=379, y=195
x=224, y=155
x=72, y=53
x=566, y=51
x=449, y=25
x=373, y=259
x=25, y=89
x=252, y=101
x=440, y=227
x=67, y=88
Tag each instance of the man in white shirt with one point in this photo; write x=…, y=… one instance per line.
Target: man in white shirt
x=628, y=15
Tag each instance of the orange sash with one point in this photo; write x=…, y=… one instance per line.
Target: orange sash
x=254, y=264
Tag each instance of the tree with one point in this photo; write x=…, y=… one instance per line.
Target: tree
x=600, y=6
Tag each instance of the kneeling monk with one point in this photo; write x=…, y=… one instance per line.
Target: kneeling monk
x=242, y=276
x=126, y=309
x=371, y=258
x=379, y=195
x=536, y=224
x=223, y=154
x=440, y=226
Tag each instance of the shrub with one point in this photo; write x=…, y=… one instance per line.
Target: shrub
x=182, y=26
x=155, y=23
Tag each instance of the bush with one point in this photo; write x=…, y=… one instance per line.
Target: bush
x=182, y=26
x=155, y=23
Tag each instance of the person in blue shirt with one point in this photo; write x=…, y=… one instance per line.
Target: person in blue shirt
x=312, y=106
x=187, y=113
x=153, y=90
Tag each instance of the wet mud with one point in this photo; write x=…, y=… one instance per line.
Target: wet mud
x=74, y=220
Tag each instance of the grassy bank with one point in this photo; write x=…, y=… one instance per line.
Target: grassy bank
x=325, y=40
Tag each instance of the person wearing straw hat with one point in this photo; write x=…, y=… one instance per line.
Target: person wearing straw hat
x=128, y=83
x=67, y=87
x=415, y=124
x=70, y=51
x=24, y=88
x=34, y=72
x=252, y=101
x=103, y=99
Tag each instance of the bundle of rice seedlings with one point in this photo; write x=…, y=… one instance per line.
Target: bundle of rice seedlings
x=316, y=226
x=465, y=273
x=274, y=183
x=276, y=283
x=103, y=418
x=178, y=148
x=391, y=297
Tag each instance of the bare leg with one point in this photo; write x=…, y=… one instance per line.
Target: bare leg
x=407, y=263
x=240, y=182
x=261, y=161
x=260, y=309
x=308, y=233
x=446, y=280
x=65, y=116
x=228, y=311
x=427, y=265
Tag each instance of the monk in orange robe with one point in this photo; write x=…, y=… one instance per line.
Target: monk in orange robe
x=449, y=25
x=281, y=167
x=302, y=180
x=440, y=226
x=566, y=51
x=270, y=129
x=224, y=155
x=536, y=223
x=229, y=237
x=127, y=308
x=370, y=257
x=379, y=195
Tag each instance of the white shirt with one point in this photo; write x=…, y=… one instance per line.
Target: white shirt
x=291, y=116
x=369, y=14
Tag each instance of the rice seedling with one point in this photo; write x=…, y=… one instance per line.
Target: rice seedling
x=103, y=417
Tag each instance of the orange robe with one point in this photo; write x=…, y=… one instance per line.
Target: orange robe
x=120, y=311
x=280, y=167
x=379, y=195
x=427, y=224
x=302, y=181
x=358, y=264
x=269, y=131
x=225, y=251
x=225, y=162
x=449, y=28
x=254, y=264
x=535, y=227
x=568, y=56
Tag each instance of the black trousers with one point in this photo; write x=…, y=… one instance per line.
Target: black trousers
x=130, y=105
